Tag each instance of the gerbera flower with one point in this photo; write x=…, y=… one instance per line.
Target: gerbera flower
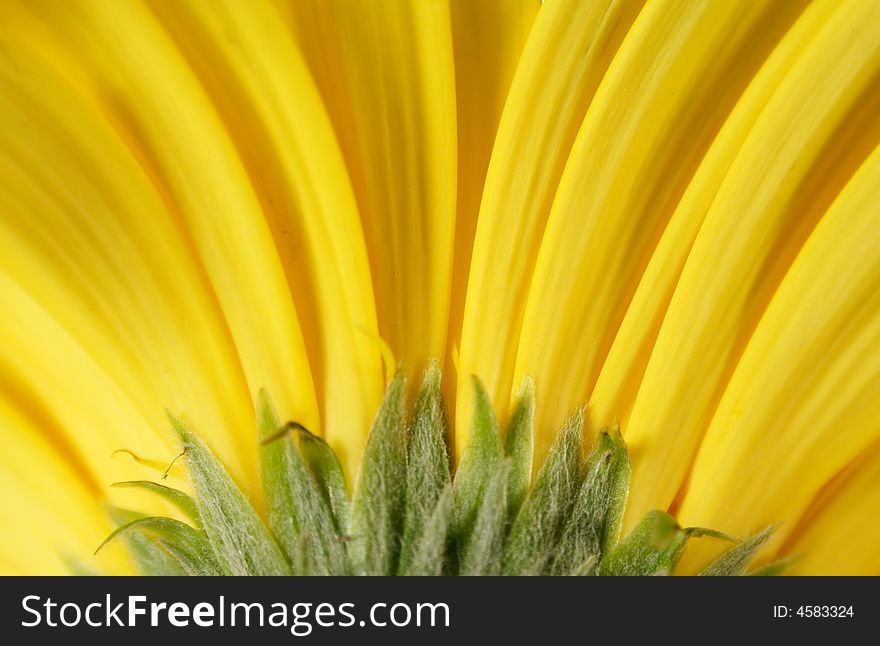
x=661, y=216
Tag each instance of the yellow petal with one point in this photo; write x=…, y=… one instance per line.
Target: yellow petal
x=55, y=514
x=259, y=82
x=122, y=57
x=623, y=368
x=805, y=399
x=385, y=69
x=61, y=387
x=88, y=235
x=793, y=163
x=487, y=37
x=840, y=533
x=664, y=97
x=568, y=50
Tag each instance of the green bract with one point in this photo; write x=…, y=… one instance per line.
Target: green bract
x=409, y=515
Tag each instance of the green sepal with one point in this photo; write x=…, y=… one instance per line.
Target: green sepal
x=409, y=515
x=481, y=547
x=180, y=500
x=328, y=473
x=593, y=526
x=149, y=558
x=376, y=518
x=700, y=532
x=536, y=528
x=587, y=568
x=76, y=566
x=775, y=568
x=321, y=543
x=427, y=474
x=281, y=508
x=429, y=553
x=187, y=546
x=735, y=560
x=300, y=507
x=653, y=548
x=237, y=535
x=519, y=446
x=479, y=464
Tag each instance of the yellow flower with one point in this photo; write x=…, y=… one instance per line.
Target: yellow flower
x=667, y=210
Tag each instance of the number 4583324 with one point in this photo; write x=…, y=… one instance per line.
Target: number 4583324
x=824, y=611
